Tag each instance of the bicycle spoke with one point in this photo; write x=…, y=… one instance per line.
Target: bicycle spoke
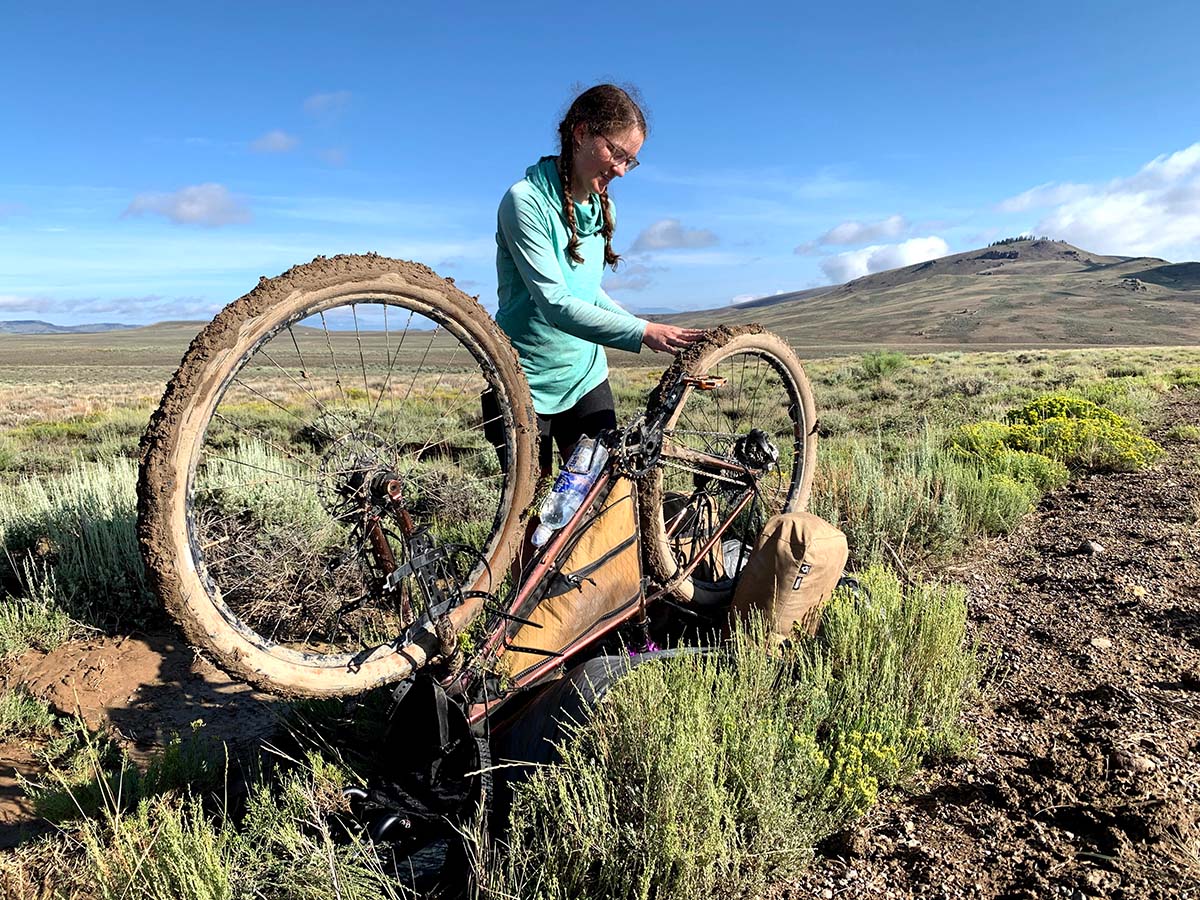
x=283, y=476
x=337, y=375
x=291, y=412
x=299, y=355
x=358, y=338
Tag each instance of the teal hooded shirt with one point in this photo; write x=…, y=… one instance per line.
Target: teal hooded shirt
x=554, y=310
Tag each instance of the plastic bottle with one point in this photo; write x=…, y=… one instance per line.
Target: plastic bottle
x=571, y=486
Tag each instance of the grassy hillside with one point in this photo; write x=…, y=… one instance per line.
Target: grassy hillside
x=1031, y=293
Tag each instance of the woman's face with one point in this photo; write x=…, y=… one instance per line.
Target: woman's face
x=599, y=158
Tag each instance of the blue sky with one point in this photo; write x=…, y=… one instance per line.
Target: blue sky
x=157, y=162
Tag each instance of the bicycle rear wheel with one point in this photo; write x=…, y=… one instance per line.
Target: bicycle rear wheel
x=321, y=444
x=730, y=402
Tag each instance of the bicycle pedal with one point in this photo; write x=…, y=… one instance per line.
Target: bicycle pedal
x=706, y=382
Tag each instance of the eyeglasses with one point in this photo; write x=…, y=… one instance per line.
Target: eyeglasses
x=619, y=156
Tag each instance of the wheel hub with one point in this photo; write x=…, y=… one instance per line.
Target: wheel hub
x=352, y=476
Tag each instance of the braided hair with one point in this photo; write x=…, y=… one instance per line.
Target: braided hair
x=603, y=109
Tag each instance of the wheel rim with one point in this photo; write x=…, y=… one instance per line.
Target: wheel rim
x=750, y=406
x=346, y=430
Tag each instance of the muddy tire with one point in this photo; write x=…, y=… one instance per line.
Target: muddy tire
x=202, y=416
x=764, y=388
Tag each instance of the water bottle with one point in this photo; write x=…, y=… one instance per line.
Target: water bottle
x=571, y=486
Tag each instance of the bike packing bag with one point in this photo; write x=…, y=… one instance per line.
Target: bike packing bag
x=599, y=579
x=792, y=572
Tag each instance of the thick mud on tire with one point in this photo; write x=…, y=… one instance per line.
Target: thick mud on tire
x=246, y=416
x=764, y=388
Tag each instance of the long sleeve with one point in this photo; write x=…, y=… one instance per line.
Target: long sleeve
x=606, y=302
x=529, y=240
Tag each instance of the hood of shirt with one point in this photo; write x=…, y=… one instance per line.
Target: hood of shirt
x=544, y=176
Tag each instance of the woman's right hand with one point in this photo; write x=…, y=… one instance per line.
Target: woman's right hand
x=663, y=338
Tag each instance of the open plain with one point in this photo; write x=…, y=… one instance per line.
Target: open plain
x=1077, y=773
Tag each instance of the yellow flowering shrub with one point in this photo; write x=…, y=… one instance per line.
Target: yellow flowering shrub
x=861, y=760
x=1087, y=444
x=1063, y=406
x=1052, y=434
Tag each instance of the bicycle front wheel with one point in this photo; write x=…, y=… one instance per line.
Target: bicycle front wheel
x=321, y=476
x=739, y=446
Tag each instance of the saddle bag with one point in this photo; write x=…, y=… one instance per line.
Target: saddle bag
x=790, y=576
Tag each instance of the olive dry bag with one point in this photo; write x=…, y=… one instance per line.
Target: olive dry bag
x=790, y=576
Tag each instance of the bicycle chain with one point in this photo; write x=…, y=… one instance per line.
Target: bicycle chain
x=713, y=475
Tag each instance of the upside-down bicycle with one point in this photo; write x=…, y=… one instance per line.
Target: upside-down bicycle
x=324, y=508
x=312, y=534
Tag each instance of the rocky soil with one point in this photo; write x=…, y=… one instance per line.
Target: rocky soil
x=1086, y=783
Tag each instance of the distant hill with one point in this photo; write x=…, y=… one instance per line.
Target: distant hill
x=1020, y=294
x=36, y=326
x=1024, y=293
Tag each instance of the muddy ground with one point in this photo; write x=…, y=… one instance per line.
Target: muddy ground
x=1086, y=782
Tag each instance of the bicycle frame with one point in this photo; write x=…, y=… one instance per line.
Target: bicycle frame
x=546, y=563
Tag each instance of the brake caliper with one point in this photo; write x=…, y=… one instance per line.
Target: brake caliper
x=754, y=450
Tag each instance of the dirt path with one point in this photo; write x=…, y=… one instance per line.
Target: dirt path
x=1087, y=778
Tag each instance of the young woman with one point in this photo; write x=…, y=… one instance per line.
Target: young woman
x=554, y=237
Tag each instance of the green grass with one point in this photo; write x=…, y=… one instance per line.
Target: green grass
x=71, y=551
x=178, y=843
x=695, y=777
x=918, y=502
x=707, y=775
x=23, y=716
x=1182, y=433
x=881, y=363
x=88, y=773
x=701, y=774
x=33, y=618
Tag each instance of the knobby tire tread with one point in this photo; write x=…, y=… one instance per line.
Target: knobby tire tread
x=164, y=462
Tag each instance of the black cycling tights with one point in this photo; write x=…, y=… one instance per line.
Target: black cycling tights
x=595, y=412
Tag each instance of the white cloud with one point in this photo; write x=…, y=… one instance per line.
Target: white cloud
x=275, y=141
x=1153, y=212
x=144, y=309
x=877, y=258
x=10, y=303
x=747, y=298
x=1043, y=195
x=200, y=204
x=634, y=277
x=327, y=103
x=853, y=232
x=669, y=234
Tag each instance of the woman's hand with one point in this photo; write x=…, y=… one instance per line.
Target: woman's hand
x=663, y=338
